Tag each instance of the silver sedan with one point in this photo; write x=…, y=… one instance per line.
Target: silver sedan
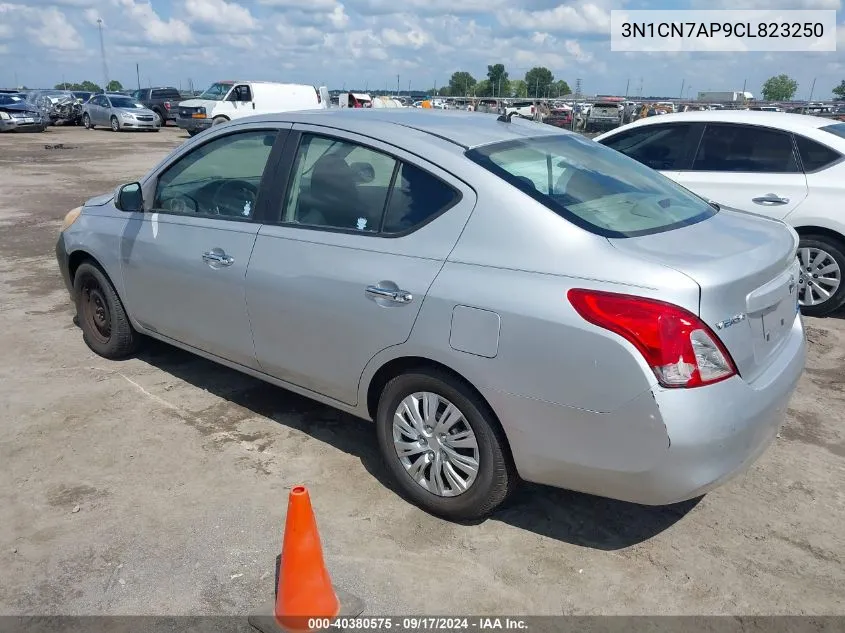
x=503, y=299
x=118, y=112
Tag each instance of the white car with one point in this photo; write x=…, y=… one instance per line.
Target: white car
x=786, y=166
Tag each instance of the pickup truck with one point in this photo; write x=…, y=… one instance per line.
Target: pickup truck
x=162, y=101
x=604, y=116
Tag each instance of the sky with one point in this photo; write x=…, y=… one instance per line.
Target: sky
x=367, y=43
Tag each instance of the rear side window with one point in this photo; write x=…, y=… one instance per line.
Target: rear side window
x=815, y=156
x=416, y=196
x=593, y=186
x=657, y=146
x=745, y=148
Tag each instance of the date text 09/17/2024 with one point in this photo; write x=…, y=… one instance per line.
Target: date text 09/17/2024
x=418, y=623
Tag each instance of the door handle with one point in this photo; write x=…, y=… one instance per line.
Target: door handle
x=770, y=198
x=397, y=296
x=218, y=257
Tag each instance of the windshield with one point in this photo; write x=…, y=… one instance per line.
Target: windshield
x=216, y=92
x=837, y=128
x=593, y=186
x=124, y=102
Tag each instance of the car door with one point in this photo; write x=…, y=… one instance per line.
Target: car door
x=185, y=258
x=748, y=167
x=94, y=110
x=341, y=275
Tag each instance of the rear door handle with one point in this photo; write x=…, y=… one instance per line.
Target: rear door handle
x=770, y=198
x=396, y=296
x=217, y=257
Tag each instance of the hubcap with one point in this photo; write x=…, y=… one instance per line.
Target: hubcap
x=435, y=444
x=819, y=278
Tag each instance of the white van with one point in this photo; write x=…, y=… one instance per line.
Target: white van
x=228, y=100
x=355, y=100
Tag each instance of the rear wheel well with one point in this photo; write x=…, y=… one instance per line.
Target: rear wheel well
x=806, y=231
x=403, y=365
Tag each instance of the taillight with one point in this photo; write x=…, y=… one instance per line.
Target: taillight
x=678, y=346
x=532, y=109
x=166, y=105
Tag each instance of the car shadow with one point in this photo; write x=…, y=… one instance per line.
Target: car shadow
x=566, y=516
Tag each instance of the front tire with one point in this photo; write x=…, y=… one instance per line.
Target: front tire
x=443, y=446
x=821, y=290
x=219, y=120
x=105, y=325
x=86, y=121
x=115, y=124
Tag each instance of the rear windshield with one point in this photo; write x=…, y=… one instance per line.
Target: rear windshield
x=593, y=186
x=837, y=128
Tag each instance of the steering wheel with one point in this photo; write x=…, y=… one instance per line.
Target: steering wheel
x=234, y=198
x=181, y=204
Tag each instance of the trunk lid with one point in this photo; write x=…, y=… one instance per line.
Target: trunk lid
x=746, y=268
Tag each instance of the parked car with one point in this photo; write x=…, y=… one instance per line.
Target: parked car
x=524, y=109
x=501, y=299
x=604, y=115
x=164, y=102
x=229, y=100
x=57, y=106
x=18, y=115
x=118, y=112
x=786, y=166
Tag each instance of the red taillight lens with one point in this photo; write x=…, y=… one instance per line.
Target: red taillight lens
x=166, y=105
x=532, y=109
x=679, y=347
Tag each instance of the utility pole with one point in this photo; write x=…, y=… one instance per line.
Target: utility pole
x=138, y=75
x=627, y=85
x=641, y=87
x=744, y=83
x=397, y=85
x=103, y=55
x=683, y=83
x=812, y=89
x=409, y=87
x=577, y=88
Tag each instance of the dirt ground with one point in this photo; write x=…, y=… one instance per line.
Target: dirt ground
x=158, y=485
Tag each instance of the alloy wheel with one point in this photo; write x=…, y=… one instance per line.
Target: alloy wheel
x=819, y=278
x=435, y=444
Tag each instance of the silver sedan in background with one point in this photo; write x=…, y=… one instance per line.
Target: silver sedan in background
x=119, y=112
x=503, y=299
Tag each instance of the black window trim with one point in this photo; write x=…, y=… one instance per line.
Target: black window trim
x=262, y=198
x=289, y=164
x=841, y=158
x=769, y=128
x=477, y=156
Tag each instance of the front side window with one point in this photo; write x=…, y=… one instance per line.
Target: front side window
x=593, y=186
x=218, y=179
x=745, y=148
x=657, y=146
x=342, y=185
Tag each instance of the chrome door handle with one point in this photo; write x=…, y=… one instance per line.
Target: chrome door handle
x=397, y=296
x=770, y=198
x=220, y=258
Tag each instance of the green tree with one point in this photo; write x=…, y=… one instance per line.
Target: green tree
x=461, y=83
x=483, y=89
x=538, y=79
x=114, y=86
x=89, y=86
x=519, y=88
x=560, y=88
x=839, y=91
x=780, y=88
x=498, y=78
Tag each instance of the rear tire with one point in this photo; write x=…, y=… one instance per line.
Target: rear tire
x=159, y=120
x=105, y=325
x=193, y=132
x=824, y=253
x=495, y=476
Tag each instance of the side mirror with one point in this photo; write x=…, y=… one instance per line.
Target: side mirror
x=130, y=198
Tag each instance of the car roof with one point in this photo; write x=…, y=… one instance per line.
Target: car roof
x=781, y=120
x=466, y=129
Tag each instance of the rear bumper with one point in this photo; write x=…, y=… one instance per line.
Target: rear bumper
x=684, y=442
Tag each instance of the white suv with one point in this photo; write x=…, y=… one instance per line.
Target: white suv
x=787, y=166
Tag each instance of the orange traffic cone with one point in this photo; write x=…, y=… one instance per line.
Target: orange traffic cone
x=305, y=597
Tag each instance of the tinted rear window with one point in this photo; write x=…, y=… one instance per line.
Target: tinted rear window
x=166, y=94
x=593, y=186
x=837, y=128
x=815, y=156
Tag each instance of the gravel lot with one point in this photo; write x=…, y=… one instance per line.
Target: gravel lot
x=158, y=485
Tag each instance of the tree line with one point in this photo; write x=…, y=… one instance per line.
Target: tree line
x=90, y=86
x=783, y=88
x=538, y=82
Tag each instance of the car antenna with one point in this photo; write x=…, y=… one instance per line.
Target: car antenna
x=506, y=118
